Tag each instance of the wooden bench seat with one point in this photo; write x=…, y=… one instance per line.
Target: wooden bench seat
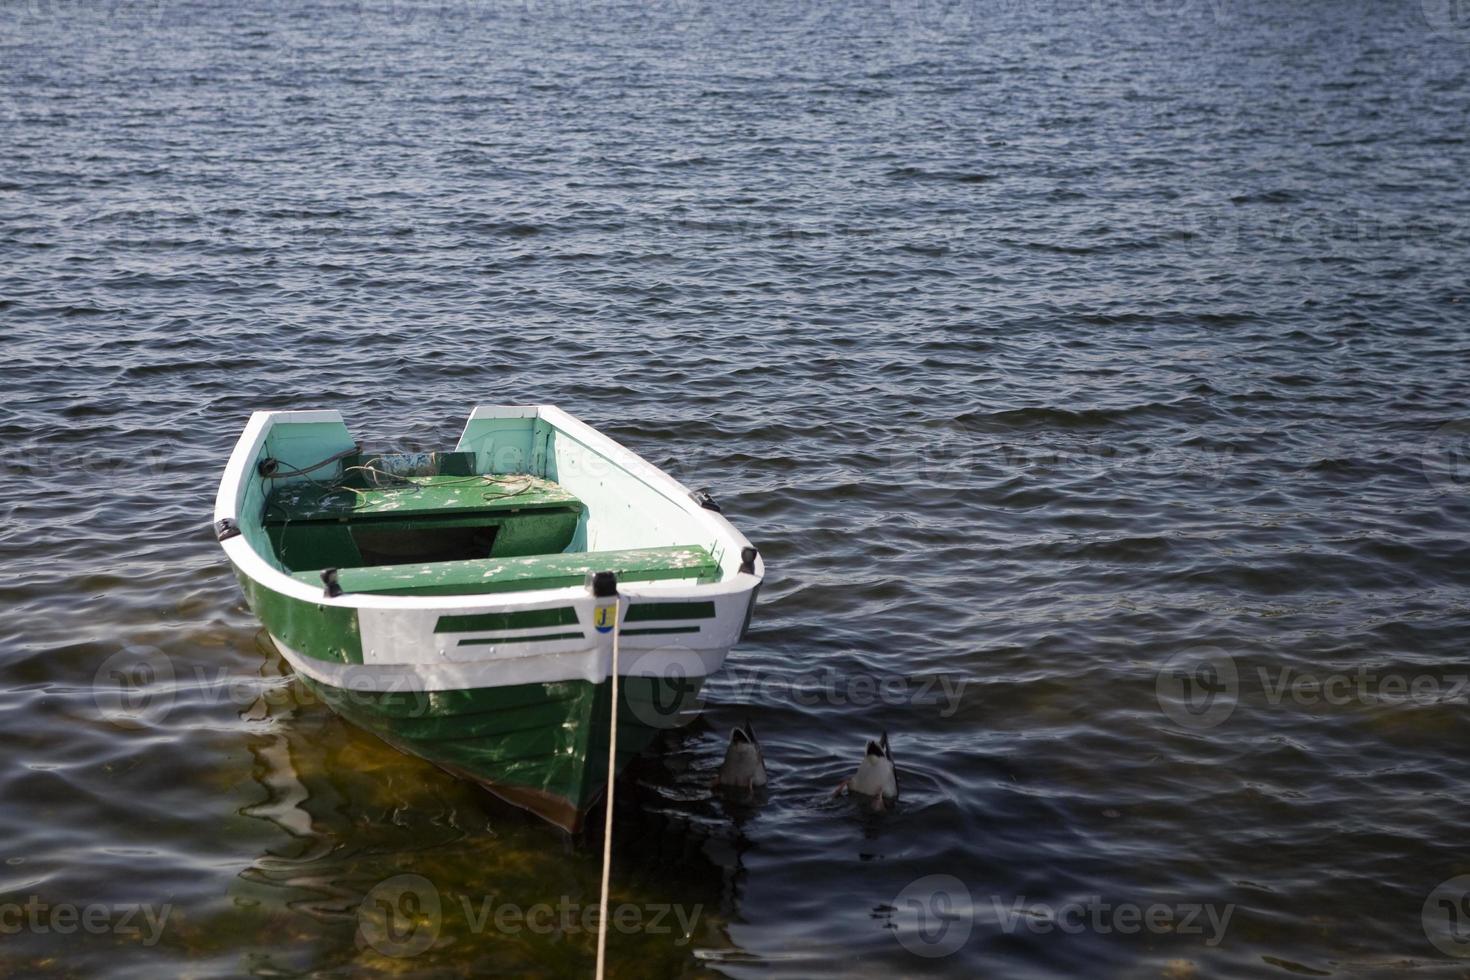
x=429, y=496
x=426, y=518
x=488, y=575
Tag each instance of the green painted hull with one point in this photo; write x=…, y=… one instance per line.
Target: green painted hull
x=542, y=747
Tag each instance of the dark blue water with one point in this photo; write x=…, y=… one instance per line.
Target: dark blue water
x=1092, y=375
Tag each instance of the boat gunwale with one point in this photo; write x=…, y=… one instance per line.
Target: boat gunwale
x=255, y=566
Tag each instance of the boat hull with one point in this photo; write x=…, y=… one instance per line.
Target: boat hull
x=518, y=701
x=541, y=747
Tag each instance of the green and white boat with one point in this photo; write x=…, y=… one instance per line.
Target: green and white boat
x=451, y=602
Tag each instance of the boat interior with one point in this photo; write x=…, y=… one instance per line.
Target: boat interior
x=489, y=516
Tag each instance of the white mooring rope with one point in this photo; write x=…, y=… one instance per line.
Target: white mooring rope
x=607, y=823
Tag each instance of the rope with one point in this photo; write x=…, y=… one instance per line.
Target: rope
x=316, y=466
x=607, y=822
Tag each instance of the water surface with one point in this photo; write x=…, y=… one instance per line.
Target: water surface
x=1070, y=362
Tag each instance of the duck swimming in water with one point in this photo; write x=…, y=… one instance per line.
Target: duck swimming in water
x=745, y=765
x=875, y=775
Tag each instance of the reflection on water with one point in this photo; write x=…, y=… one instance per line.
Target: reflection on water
x=311, y=816
x=495, y=890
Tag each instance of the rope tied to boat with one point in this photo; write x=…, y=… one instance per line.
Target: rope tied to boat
x=605, y=586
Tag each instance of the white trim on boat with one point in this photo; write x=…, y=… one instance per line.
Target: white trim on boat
x=583, y=664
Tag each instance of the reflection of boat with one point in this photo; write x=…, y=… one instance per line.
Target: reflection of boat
x=454, y=603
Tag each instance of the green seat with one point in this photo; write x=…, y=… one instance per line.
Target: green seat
x=418, y=519
x=488, y=575
x=429, y=496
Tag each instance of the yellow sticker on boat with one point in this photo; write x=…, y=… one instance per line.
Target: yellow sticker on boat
x=605, y=618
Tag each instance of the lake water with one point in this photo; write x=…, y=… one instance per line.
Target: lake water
x=1092, y=375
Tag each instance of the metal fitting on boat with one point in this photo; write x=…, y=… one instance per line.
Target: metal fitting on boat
x=747, y=560
x=603, y=584
x=268, y=467
x=224, y=529
x=703, y=499
x=329, y=579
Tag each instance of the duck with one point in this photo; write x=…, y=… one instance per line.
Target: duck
x=745, y=765
x=875, y=776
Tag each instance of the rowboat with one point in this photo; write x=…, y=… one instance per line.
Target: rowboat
x=464, y=605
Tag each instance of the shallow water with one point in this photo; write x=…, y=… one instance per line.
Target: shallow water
x=1088, y=373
